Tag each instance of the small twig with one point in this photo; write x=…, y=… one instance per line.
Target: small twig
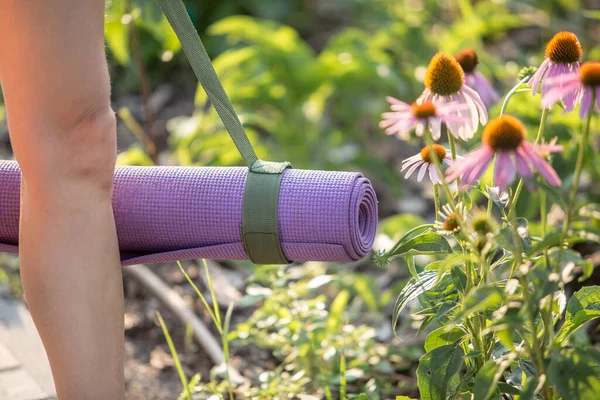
x=144, y=84
x=135, y=128
x=175, y=303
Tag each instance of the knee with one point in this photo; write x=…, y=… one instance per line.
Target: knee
x=82, y=152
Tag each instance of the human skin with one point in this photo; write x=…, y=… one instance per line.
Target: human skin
x=56, y=87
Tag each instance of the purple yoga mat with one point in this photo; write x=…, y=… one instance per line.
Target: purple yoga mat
x=177, y=213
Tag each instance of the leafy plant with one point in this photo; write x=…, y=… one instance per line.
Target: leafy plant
x=495, y=290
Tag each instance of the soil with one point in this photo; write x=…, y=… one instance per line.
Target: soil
x=149, y=369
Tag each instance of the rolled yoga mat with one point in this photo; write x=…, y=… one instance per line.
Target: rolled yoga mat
x=177, y=213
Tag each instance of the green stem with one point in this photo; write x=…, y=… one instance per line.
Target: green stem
x=452, y=145
x=536, y=351
x=544, y=221
x=518, y=249
x=477, y=345
x=578, y=168
x=512, y=92
x=446, y=190
x=453, y=152
x=542, y=126
x=436, y=200
x=438, y=168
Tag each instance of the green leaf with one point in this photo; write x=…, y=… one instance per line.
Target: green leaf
x=528, y=389
x=587, y=270
x=584, y=306
x=574, y=374
x=486, y=381
x=413, y=289
x=450, y=261
x=116, y=33
x=443, y=336
x=368, y=290
x=343, y=381
x=499, y=199
x=437, y=374
x=479, y=299
x=361, y=396
x=508, y=389
x=337, y=311
x=426, y=243
x=459, y=279
x=473, y=354
x=593, y=14
x=549, y=241
x=134, y=156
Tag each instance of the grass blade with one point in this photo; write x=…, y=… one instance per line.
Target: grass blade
x=212, y=293
x=199, y=293
x=178, y=366
x=225, y=339
x=343, y=382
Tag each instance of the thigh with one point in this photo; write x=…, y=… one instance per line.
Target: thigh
x=52, y=64
x=56, y=86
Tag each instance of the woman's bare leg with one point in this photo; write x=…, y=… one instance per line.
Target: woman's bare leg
x=56, y=86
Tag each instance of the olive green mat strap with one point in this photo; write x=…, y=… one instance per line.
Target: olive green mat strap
x=260, y=231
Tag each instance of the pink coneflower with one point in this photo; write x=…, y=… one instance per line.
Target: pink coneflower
x=504, y=137
x=582, y=84
x=563, y=53
x=445, y=83
x=424, y=161
x=405, y=117
x=474, y=79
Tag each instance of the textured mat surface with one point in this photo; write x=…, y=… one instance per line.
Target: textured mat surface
x=177, y=213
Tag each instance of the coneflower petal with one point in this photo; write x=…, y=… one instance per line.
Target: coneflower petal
x=471, y=167
x=410, y=161
x=553, y=71
x=558, y=92
x=570, y=99
x=504, y=171
x=476, y=99
x=433, y=174
x=412, y=169
x=459, y=168
x=540, y=165
x=586, y=102
x=483, y=87
x=396, y=102
x=522, y=166
x=422, y=171
x=419, y=129
x=479, y=168
x=537, y=77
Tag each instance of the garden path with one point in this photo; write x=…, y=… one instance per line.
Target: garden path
x=24, y=370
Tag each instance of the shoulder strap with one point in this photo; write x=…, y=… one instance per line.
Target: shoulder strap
x=260, y=231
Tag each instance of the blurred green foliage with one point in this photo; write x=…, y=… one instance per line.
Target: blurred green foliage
x=312, y=94
x=309, y=81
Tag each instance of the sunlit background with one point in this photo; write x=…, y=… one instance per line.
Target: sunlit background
x=308, y=79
